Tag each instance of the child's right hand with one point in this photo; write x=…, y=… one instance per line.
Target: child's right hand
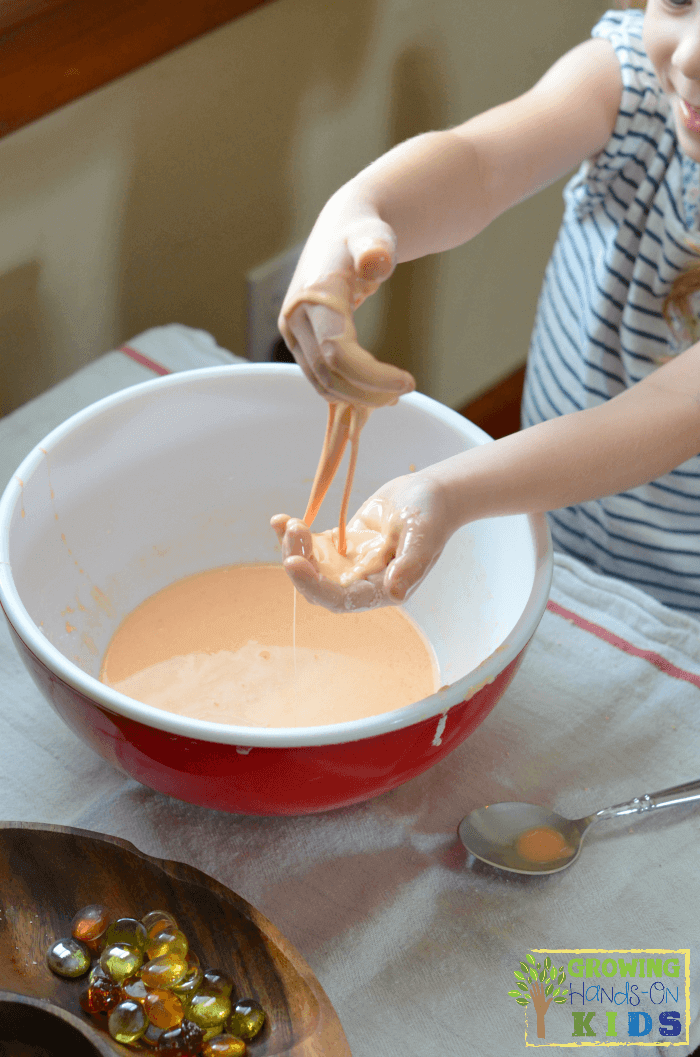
x=348, y=254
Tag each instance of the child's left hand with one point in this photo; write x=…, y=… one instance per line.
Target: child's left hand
x=409, y=518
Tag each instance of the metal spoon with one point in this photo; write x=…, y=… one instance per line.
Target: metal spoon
x=502, y=834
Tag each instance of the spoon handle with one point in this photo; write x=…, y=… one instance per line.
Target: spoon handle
x=677, y=794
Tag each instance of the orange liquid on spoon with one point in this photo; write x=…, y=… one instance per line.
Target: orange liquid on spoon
x=218, y=646
x=542, y=844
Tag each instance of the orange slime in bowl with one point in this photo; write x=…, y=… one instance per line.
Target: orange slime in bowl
x=542, y=844
x=218, y=646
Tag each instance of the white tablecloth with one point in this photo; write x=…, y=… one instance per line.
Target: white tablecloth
x=414, y=944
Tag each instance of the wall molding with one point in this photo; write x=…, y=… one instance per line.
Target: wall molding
x=54, y=51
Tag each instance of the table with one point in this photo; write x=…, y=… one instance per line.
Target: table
x=415, y=943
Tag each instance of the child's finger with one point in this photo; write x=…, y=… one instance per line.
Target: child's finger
x=279, y=524
x=411, y=565
x=372, y=246
x=315, y=589
x=297, y=541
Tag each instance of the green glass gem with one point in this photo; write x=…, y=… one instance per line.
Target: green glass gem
x=68, y=957
x=120, y=961
x=129, y=931
x=246, y=1020
x=209, y=1011
x=168, y=941
x=127, y=1022
x=216, y=982
x=213, y=1033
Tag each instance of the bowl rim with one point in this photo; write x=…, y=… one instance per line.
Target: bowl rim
x=104, y=697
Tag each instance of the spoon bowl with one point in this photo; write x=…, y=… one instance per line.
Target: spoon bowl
x=495, y=835
x=530, y=839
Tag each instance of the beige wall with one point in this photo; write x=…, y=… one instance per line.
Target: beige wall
x=148, y=201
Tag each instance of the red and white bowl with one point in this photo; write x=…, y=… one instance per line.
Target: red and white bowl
x=182, y=474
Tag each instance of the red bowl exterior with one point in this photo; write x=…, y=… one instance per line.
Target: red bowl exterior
x=263, y=781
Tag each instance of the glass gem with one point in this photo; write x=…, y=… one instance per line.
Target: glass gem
x=164, y=971
x=97, y=973
x=127, y=1022
x=120, y=961
x=101, y=996
x=156, y=920
x=135, y=989
x=217, y=982
x=246, y=1020
x=89, y=924
x=181, y=1042
x=209, y=1011
x=168, y=941
x=151, y=1036
x=68, y=957
x=164, y=1009
x=190, y=984
x=224, y=1046
x=128, y=931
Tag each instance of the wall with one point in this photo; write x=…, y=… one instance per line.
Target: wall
x=148, y=201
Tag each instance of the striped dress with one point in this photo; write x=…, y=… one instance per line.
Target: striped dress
x=630, y=226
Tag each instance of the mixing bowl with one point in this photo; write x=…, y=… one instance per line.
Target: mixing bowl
x=182, y=474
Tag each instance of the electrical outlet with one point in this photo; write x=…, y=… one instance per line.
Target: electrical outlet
x=266, y=286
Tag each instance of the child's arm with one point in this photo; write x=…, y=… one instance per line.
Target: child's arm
x=432, y=193
x=629, y=440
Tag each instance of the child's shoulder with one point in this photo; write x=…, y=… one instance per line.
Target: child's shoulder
x=626, y=22
x=624, y=31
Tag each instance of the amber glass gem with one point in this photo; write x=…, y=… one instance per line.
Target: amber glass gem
x=101, y=996
x=224, y=1046
x=181, y=1042
x=164, y=1009
x=165, y=971
x=89, y=924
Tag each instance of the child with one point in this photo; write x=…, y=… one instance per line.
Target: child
x=612, y=396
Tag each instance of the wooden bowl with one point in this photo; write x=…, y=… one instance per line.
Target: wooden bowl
x=47, y=873
x=33, y=1027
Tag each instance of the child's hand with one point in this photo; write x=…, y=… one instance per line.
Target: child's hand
x=347, y=255
x=399, y=535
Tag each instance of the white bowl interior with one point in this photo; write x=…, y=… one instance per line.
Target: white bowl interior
x=181, y=475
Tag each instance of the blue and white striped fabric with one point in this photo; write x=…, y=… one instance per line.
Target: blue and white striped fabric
x=628, y=230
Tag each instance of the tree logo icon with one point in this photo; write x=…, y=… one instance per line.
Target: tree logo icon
x=541, y=984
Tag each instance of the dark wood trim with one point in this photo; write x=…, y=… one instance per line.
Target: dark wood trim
x=54, y=51
x=497, y=411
